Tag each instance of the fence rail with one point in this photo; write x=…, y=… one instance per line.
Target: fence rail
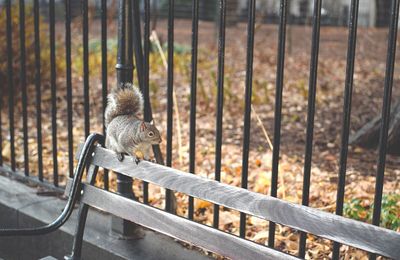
x=132, y=44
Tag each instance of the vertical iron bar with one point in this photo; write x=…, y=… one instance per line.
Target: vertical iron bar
x=387, y=95
x=146, y=95
x=53, y=91
x=1, y=128
x=22, y=76
x=220, y=101
x=124, y=68
x=147, y=106
x=137, y=43
x=312, y=88
x=146, y=70
x=351, y=53
x=38, y=89
x=140, y=70
x=280, y=69
x=104, y=80
x=247, y=114
x=146, y=65
x=69, y=86
x=170, y=94
x=124, y=64
x=148, y=117
x=193, y=90
x=10, y=82
x=85, y=39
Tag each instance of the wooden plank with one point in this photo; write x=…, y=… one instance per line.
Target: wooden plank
x=346, y=231
x=183, y=229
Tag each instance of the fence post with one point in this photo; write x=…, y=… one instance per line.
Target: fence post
x=124, y=68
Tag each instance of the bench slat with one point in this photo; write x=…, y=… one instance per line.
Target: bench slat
x=346, y=231
x=177, y=227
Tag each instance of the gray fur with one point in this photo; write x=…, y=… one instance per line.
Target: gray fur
x=126, y=133
x=126, y=100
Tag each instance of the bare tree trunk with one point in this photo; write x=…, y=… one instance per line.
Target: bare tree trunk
x=368, y=135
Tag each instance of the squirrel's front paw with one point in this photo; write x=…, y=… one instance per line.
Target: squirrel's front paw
x=138, y=156
x=120, y=157
x=136, y=160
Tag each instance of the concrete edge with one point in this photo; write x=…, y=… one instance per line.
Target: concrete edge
x=21, y=206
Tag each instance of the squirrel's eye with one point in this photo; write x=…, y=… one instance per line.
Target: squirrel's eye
x=151, y=134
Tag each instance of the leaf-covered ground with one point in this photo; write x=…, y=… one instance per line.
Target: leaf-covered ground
x=367, y=99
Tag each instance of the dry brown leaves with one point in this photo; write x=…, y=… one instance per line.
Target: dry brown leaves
x=369, y=75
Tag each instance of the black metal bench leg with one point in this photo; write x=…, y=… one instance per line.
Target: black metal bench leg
x=78, y=238
x=82, y=215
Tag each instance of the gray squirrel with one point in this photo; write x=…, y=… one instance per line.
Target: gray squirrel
x=125, y=132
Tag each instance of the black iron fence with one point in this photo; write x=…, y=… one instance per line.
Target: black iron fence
x=132, y=44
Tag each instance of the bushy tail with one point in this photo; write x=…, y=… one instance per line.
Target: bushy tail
x=127, y=100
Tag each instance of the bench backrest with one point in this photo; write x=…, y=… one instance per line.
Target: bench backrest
x=326, y=225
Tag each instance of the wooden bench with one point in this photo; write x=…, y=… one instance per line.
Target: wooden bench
x=326, y=225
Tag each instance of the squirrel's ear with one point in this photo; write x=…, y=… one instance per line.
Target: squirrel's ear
x=142, y=126
x=152, y=122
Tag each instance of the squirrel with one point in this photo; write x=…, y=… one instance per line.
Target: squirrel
x=126, y=134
